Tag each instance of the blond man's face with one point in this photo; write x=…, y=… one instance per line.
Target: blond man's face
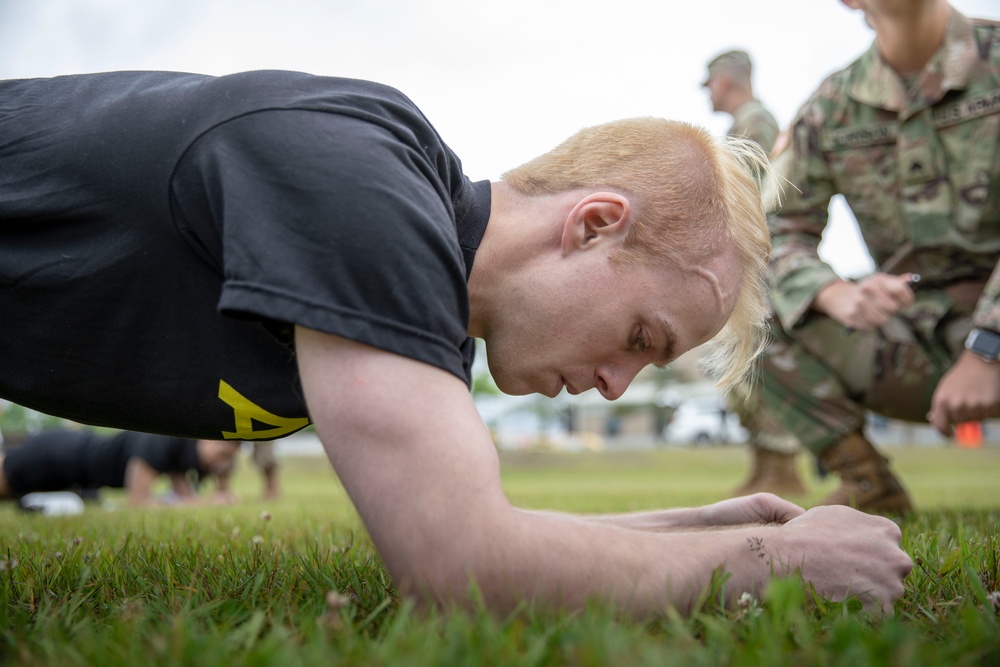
x=596, y=326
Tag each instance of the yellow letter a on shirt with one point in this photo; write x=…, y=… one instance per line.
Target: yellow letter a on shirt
x=247, y=412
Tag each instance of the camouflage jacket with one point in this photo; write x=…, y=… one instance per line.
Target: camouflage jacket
x=755, y=122
x=919, y=167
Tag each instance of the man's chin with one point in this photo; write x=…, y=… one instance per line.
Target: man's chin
x=517, y=386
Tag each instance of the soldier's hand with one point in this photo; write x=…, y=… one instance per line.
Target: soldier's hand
x=969, y=391
x=867, y=304
x=845, y=553
x=756, y=508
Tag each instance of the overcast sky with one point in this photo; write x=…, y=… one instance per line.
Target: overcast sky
x=501, y=81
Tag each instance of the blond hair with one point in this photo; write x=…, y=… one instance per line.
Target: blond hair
x=692, y=195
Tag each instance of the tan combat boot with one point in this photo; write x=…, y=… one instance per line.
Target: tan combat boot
x=866, y=483
x=772, y=472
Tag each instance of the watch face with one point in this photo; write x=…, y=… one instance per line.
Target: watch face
x=985, y=343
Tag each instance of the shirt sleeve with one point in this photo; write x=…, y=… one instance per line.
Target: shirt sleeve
x=159, y=452
x=336, y=224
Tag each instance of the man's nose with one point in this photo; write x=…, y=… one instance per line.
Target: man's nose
x=612, y=381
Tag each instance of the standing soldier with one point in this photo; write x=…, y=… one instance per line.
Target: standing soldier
x=908, y=133
x=730, y=87
x=731, y=91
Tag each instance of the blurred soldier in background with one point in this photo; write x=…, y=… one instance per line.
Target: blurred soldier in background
x=731, y=91
x=908, y=133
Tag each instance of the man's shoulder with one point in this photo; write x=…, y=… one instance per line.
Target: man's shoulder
x=985, y=25
x=832, y=96
x=215, y=99
x=149, y=446
x=303, y=86
x=755, y=110
x=987, y=35
x=836, y=86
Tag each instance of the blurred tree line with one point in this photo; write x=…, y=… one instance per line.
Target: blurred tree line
x=18, y=422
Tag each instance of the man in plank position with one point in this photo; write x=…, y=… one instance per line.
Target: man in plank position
x=232, y=257
x=69, y=459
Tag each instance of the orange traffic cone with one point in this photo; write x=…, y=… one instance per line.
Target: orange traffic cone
x=969, y=435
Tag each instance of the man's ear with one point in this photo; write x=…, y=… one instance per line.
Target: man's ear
x=597, y=218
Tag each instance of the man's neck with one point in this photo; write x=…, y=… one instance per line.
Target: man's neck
x=522, y=232
x=907, y=40
x=737, y=99
x=511, y=236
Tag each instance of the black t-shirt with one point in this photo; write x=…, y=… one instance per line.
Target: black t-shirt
x=161, y=232
x=163, y=453
x=57, y=460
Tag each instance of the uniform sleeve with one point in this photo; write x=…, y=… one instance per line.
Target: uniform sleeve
x=798, y=217
x=763, y=129
x=987, y=315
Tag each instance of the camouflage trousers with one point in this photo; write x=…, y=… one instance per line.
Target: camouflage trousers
x=818, y=381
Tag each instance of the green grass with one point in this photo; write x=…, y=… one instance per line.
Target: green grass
x=225, y=586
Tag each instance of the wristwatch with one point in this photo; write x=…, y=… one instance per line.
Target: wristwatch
x=984, y=343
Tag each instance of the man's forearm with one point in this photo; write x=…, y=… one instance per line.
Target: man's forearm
x=757, y=509
x=650, y=520
x=139, y=479
x=181, y=485
x=565, y=561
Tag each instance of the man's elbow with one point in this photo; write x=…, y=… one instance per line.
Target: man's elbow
x=451, y=573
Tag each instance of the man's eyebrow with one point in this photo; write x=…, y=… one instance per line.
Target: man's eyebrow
x=669, y=343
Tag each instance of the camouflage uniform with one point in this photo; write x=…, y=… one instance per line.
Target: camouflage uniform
x=919, y=165
x=753, y=121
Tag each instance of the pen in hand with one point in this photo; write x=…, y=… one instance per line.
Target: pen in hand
x=911, y=281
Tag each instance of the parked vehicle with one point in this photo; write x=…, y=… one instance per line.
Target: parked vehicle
x=704, y=420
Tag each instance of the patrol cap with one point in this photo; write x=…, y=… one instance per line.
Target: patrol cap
x=728, y=61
